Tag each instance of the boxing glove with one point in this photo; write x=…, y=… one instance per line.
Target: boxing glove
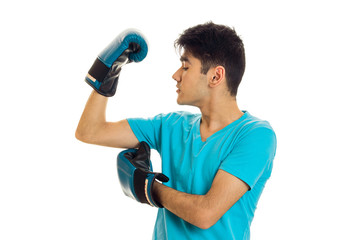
x=136, y=174
x=128, y=46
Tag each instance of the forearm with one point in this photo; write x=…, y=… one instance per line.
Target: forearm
x=203, y=211
x=195, y=209
x=93, y=116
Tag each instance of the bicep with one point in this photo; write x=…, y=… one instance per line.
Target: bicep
x=116, y=134
x=225, y=191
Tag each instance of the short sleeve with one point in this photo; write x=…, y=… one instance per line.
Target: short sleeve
x=251, y=156
x=147, y=129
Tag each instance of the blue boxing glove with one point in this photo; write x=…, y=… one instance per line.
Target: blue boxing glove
x=136, y=175
x=128, y=46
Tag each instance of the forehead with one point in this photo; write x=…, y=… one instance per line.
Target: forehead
x=187, y=57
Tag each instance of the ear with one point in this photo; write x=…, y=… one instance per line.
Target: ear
x=216, y=76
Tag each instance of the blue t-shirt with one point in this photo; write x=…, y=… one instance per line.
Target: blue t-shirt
x=245, y=148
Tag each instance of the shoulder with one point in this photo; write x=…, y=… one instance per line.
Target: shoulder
x=249, y=123
x=179, y=116
x=255, y=130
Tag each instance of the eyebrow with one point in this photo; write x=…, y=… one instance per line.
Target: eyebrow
x=184, y=59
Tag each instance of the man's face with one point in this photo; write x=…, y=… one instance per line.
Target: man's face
x=191, y=83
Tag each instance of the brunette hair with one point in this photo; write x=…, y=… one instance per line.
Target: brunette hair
x=215, y=45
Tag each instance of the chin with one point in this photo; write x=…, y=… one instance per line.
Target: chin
x=183, y=103
x=180, y=103
x=178, y=100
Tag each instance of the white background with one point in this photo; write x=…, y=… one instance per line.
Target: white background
x=302, y=75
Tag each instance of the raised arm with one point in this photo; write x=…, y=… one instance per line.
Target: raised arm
x=94, y=129
x=128, y=46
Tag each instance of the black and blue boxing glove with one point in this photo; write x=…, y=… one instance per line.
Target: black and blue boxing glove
x=136, y=174
x=128, y=46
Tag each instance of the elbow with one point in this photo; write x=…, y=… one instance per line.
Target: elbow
x=82, y=135
x=79, y=136
x=204, y=225
x=206, y=219
x=87, y=132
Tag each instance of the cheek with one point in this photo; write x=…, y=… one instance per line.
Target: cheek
x=184, y=74
x=202, y=83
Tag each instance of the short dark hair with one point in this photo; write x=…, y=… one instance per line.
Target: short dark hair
x=215, y=45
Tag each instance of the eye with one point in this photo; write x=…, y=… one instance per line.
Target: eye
x=183, y=63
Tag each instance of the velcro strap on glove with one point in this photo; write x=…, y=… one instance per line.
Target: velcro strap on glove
x=128, y=46
x=136, y=175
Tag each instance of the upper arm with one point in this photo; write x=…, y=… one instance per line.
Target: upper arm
x=225, y=191
x=114, y=134
x=252, y=156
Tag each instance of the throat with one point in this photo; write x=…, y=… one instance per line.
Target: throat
x=206, y=132
x=208, y=128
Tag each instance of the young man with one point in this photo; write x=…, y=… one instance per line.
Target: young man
x=218, y=161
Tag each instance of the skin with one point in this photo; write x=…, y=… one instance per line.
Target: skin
x=210, y=94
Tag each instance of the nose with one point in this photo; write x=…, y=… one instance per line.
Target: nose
x=177, y=76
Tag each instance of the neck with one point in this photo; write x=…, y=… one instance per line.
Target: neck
x=220, y=113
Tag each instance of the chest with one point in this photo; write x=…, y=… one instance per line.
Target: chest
x=193, y=165
x=190, y=162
